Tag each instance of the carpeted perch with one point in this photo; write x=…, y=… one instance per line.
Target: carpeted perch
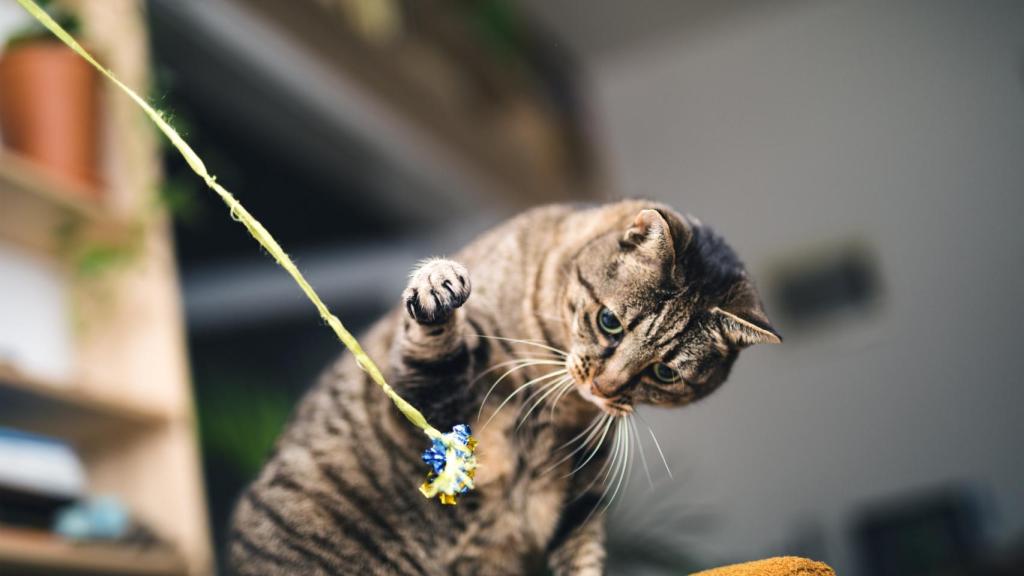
x=781, y=566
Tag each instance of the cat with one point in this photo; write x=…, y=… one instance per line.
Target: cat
x=579, y=315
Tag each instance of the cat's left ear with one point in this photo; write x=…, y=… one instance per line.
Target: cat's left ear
x=743, y=321
x=651, y=236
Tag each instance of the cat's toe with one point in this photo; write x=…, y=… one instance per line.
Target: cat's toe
x=437, y=287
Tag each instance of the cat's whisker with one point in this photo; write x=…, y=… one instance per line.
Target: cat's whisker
x=625, y=467
x=660, y=453
x=542, y=390
x=640, y=449
x=625, y=457
x=608, y=471
x=563, y=383
x=558, y=385
x=537, y=393
x=561, y=373
x=537, y=380
x=657, y=445
x=561, y=353
x=613, y=459
x=604, y=434
x=568, y=388
x=524, y=361
x=510, y=371
x=601, y=475
x=590, y=432
x=536, y=396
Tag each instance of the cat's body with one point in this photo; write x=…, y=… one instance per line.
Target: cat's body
x=339, y=494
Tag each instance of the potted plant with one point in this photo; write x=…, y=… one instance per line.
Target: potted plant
x=49, y=102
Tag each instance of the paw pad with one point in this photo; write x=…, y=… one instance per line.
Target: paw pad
x=436, y=289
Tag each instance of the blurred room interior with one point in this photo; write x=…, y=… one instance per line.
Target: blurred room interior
x=864, y=158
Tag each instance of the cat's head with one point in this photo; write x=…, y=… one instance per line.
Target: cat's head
x=657, y=311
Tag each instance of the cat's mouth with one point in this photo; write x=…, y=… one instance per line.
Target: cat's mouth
x=613, y=406
x=589, y=392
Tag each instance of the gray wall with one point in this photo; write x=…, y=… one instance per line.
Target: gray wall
x=899, y=124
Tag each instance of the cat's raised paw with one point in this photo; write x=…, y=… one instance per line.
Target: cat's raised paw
x=436, y=288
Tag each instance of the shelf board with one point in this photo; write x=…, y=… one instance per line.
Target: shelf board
x=38, y=552
x=82, y=417
x=36, y=204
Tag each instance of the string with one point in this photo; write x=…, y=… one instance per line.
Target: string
x=240, y=214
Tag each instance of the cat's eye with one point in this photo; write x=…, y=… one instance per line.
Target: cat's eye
x=609, y=322
x=665, y=373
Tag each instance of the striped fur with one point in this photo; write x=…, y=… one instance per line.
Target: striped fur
x=338, y=495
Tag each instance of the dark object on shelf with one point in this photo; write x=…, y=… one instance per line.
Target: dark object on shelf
x=818, y=288
x=104, y=519
x=938, y=534
x=1008, y=561
x=37, y=476
x=29, y=509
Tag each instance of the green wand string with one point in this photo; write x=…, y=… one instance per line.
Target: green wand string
x=451, y=455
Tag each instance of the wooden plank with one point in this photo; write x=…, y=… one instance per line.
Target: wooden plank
x=37, y=552
x=35, y=206
x=82, y=417
x=132, y=345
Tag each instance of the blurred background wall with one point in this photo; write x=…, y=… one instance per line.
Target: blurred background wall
x=797, y=129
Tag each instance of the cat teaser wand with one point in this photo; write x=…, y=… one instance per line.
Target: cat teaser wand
x=451, y=455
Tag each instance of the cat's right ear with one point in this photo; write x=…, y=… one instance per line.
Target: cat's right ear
x=650, y=236
x=742, y=318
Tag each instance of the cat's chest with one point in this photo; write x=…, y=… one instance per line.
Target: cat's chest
x=513, y=482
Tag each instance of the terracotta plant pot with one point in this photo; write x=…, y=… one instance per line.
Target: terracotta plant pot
x=48, y=109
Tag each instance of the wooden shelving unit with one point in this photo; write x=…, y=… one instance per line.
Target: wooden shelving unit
x=126, y=408
x=37, y=206
x=86, y=417
x=31, y=552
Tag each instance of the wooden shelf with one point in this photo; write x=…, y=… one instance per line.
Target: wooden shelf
x=127, y=408
x=37, y=204
x=32, y=552
x=81, y=417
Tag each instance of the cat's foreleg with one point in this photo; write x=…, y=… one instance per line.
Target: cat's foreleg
x=433, y=327
x=430, y=351
x=580, y=552
x=578, y=545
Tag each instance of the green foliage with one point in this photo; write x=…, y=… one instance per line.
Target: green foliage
x=95, y=259
x=35, y=32
x=499, y=25
x=178, y=196
x=88, y=259
x=92, y=259
x=240, y=420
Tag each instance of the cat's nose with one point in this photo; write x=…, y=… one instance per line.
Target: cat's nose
x=604, y=386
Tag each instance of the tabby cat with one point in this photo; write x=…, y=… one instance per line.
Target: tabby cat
x=579, y=315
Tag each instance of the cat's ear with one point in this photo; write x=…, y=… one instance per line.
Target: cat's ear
x=650, y=235
x=743, y=321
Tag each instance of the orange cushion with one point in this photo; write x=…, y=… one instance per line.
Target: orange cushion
x=782, y=566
